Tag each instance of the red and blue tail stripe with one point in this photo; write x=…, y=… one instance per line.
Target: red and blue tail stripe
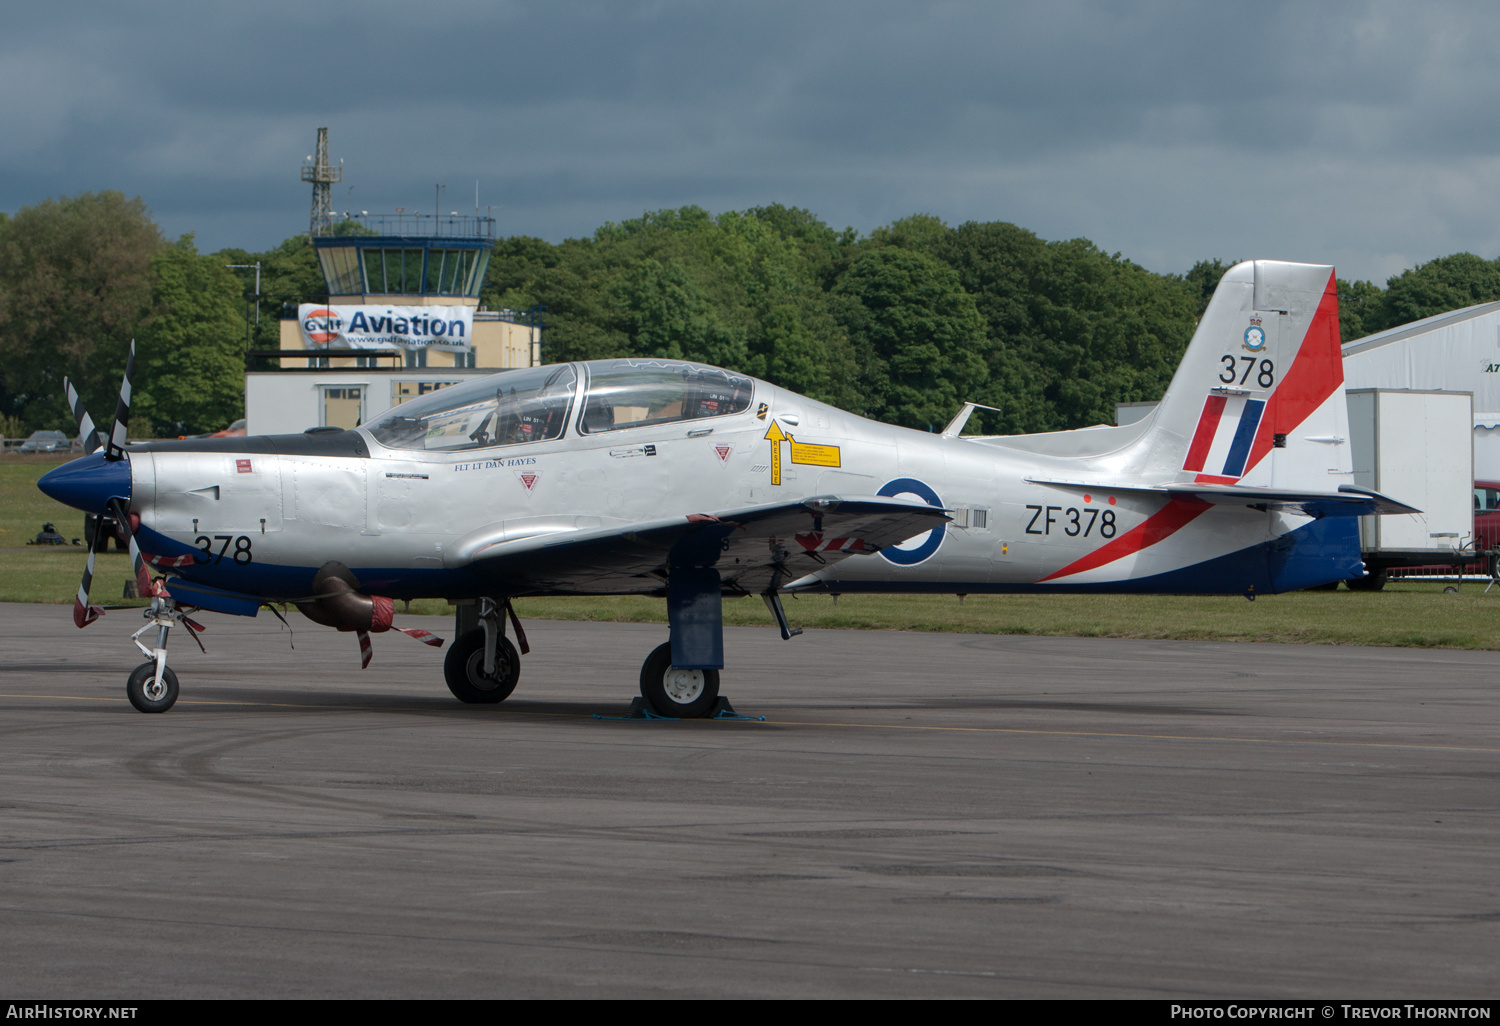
x=1226, y=431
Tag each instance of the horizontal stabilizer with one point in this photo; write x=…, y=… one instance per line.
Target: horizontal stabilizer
x=1347, y=501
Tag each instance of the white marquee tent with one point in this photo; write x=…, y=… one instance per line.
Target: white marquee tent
x=1454, y=352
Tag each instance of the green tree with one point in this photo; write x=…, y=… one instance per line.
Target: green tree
x=664, y=312
x=190, y=357
x=1204, y=279
x=743, y=289
x=920, y=340
x=1073, y=329
x=1447, y=283
x=289, y=274
x=75, y=287
x=1361, y=303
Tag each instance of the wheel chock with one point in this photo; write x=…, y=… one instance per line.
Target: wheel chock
x=639, y=710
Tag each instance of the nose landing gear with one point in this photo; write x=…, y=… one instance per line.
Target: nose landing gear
x=151, y=687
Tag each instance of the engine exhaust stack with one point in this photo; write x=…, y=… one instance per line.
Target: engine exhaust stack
x=341, y=604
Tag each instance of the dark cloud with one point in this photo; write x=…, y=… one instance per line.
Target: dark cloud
x=1363, y=133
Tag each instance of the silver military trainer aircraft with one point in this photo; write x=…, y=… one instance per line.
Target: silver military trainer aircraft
x=690, y=482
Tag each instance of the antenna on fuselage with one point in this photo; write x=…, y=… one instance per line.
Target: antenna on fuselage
x=956, y=425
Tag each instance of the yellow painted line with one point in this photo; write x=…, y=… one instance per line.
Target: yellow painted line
x=300, y=705
x=498, y=710
x=1148, y=737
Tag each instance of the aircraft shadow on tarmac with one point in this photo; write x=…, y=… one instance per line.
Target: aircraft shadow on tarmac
x=239, y=700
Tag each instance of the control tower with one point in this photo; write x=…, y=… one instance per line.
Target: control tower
x=400, y=316
x=405, y=287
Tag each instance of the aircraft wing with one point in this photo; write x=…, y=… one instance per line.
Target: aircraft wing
x=1348, y=501
x=752, y=548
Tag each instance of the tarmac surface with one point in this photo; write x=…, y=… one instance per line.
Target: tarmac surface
x=923, y=815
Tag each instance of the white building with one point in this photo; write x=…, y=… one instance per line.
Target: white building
x=1453, y=352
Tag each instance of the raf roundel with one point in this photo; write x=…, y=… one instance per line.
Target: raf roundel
x=1255, y=338
x=919, y=549
x=322, y=326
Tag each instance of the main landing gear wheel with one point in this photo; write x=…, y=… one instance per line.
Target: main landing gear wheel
x=1374, y=581
x=464, y=670
x=682, y=694
x=150, y=693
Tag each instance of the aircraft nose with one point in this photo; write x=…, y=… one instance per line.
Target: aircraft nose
x=88, y=483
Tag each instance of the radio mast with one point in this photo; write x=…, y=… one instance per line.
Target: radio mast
x=323, y=175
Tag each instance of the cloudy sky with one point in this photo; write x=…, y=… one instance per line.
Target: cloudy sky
x=1366, y=134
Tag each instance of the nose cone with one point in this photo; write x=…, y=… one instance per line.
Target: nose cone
x=88, y=483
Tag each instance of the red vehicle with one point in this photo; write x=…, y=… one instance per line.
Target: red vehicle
x=235, y=430
x=1486, y=521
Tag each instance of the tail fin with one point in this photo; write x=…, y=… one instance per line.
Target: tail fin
x=1259, y=397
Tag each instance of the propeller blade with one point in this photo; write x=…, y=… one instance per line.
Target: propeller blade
x=365, y=651
x=87, y=434
x=137, y=561
x=116, y=448
x=83, y=613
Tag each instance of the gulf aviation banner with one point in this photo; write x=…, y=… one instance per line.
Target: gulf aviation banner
x=386, y=327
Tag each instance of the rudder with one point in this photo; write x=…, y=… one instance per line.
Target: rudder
x=1258, y=399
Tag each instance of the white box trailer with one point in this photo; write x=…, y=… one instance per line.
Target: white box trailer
x=1417, y=447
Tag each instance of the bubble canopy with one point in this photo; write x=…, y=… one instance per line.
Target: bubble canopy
x=534, y=404
x=637, y=393
x=530, y=405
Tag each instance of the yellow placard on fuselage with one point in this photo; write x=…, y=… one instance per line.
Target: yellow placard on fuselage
x=814, y=455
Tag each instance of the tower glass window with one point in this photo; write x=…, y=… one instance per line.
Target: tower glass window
x=451, y=261
x=340, y=269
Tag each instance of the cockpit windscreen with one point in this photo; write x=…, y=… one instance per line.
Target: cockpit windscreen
x=530, y=405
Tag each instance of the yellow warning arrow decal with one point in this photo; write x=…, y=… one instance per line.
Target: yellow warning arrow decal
x=775, y=435
x=807, y=453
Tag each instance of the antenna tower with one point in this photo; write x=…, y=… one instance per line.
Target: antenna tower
x=323, y=175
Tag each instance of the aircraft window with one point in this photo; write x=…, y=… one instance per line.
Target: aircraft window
x=529, y=405
x=634, y=393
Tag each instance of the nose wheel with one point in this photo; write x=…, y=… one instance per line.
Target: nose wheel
x=677, y=693
x=151, y=691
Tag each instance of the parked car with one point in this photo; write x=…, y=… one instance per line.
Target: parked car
x=235, y=430
x=46, y=441
x=1486, y=515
